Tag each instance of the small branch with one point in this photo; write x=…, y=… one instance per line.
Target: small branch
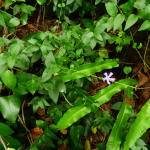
x=65, y=19
x=67, y=100
x=3, y=143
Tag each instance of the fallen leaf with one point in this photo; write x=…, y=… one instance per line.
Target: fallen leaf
x=143, y=79
x=87, y=145
x=137, y=68
x=129, y=101
x=64, y=131
x=40, y=111
x=36, y=132
x=31, y=26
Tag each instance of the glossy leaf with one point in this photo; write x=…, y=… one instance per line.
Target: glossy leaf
x=9, y=79
x=32, y=86
x=41, y=124
x=2, y=21
x=8, y=3
x=116, y=136
x=88, y=69
x=10, y=106
x=11, y=61
x=5, y=130
x=139, y=127
x=16, y=9
x=118, y=21
x=111, y=9
x=14, y=22
x=132, y=19
x=77, y=112
x=145, y=25
x=31, y=49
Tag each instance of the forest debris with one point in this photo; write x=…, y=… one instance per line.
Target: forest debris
x=143, y=79
x=129, y=101
x=137, y=68
x=40, y=111
x=64, y=131
x=87, y=145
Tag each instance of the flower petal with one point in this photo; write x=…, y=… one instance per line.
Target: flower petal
x=111, y=79
x=108, y=82
x=106, y=74
x=104, y=79
x=110, y=74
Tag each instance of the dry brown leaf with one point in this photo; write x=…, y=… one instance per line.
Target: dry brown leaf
x=129, y=101
x=137, y=68
x=40, y=111
x=64, y=131
x=87, y=145
x=143, y=79
x=36, y=132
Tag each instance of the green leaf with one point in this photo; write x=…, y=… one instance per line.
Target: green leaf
x=8, y=3
x=98, y=36
x=101, y=146
x=50, y=60
x=132, y=19
x=110, y=23
x=79, y=2
x=10, y=106
x=118, y=21
x=116, y=136
x=73, y=115
x=117, y=106
x=139, y=127
x=97, y=2
x=36, y=56
x=88, y=69
x=76, y=133
x=53, y=94
x=77, y=112
x=5, y=130
x=16, y=9
x=111, y=9
x=14, y=22
x=87, y=22
x=145, y=25
x=69, y=2
x=100, y=28
x=11, y=61
x=25, y=8
x=2, y=21
x=41, y=124
x=31, y=49
x=41, y=2
x=8, y=79
x=32, y=86
x=127, y=70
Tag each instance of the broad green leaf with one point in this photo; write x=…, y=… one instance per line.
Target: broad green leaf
x=53, y=94
x=73, y=115
x=132, y=19
x=145, y=25
x=4, y=41
x=31, y=49
x=50, y=60
x=111, y=9
x=97, y=1
x=36, y=56
x=41, y=2
x=32, y=86
x=98, y=36
x=8, y=79
x=20, y=90
x=41, y=124
x=77, y=112
x=5, y=130
x=11, y=61
x=88, y=69
x=2, y=21
x=16, y=9
x=25, y=8
x=50, y=134
x=118, y=21
x=10, y=106
x=3, y=58
x=79, y=2
x=139, y=127
x=14, y=22
x=8, y=3
x=110, y=23
x=100, y=28
x=127, y=70
x=116, y=136
x=20, y=0
x=15, y=49
x=69, y=2
x=128, y=6
x=3, y=67
x=93, y=43
x=87, y=22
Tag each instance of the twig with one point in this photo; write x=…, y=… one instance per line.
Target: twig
x=65, y=19
x=67, y=100
x=3, y=143
x=23, y=112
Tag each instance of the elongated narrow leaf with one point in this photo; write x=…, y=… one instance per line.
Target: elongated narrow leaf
x=139, y=127
x=89, y=69
x=132, y=19
x=10, y=106
x=104, y=95
x=73, y=115
x=77, y=112
x=116, y=136
x=145, y=25
x=118, y=21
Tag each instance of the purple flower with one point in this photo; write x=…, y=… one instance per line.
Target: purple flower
x=107, y=77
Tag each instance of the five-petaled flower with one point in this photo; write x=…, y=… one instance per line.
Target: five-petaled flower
x=107, y=77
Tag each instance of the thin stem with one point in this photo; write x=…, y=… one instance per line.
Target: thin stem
x=66, y=99
x=3, y=143
x=146, y=48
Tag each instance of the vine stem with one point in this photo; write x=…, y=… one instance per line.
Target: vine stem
x=66, y=99
x=3, y=143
